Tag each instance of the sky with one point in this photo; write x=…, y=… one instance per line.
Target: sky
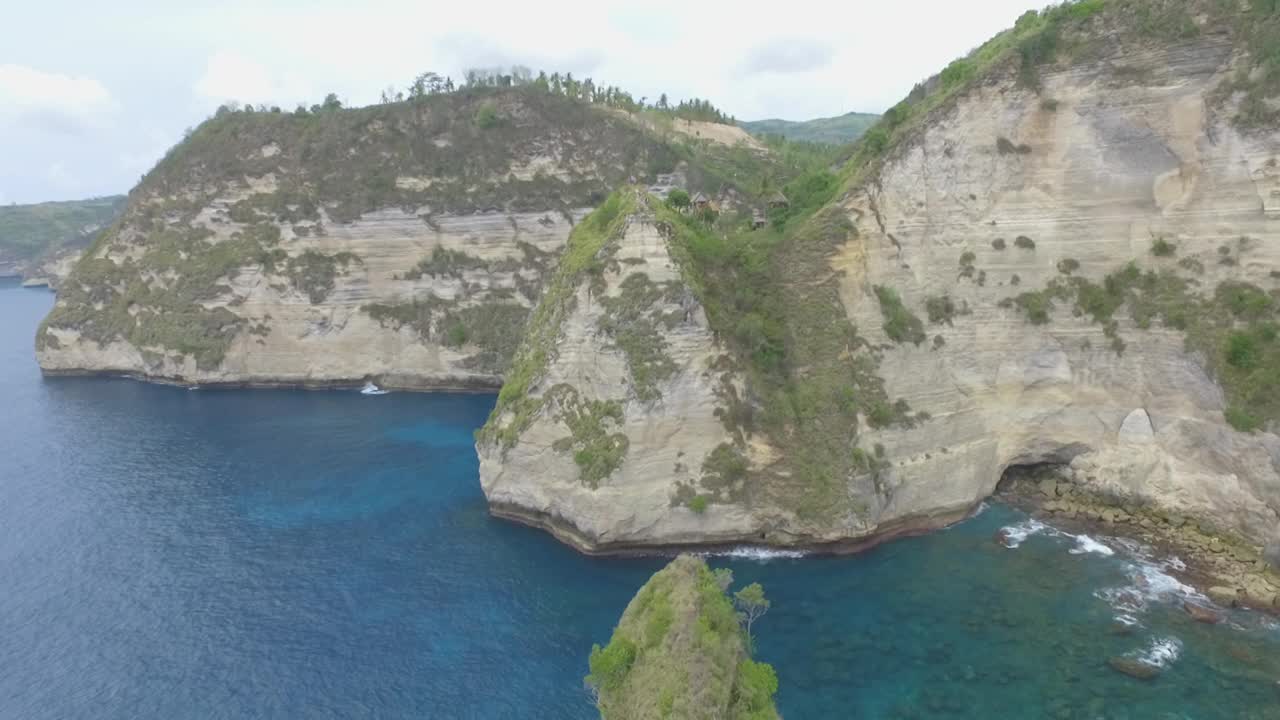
x=92, y=94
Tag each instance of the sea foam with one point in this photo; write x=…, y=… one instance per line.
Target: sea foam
x=1161, y=653
x=1086, y=544
x=1014, y=535
x=755, y=552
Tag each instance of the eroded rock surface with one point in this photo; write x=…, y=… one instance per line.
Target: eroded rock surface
x=634, y=360
x=1128, y=156
x=1096, y=176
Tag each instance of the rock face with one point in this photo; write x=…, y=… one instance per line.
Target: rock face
x=634, y=362
x=678, y=652
x=400, y=290
x=403, y=243
x=1272, y=555
x=999, y=216
x=1136, y=428
x=1101, y=168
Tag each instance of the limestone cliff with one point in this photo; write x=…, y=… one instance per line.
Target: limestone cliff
x=1133, y=153
x=403, y=243
x=616, y=436
x=679, y=652
x=1062, y=249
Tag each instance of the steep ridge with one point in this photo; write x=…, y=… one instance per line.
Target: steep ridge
x=609, y=440
x=1061, y=249
x=404, y=242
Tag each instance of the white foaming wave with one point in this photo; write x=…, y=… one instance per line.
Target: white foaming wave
x=757, y=553
x=371, y=389
x=1162, y=652
x=1014, y=536
x=1086, y=544
x=1149, y=583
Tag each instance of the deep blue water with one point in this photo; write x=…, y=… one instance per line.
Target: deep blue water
x=226, y=554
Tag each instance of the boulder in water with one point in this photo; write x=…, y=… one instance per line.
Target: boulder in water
x=1134, y=668
x=1201, y=614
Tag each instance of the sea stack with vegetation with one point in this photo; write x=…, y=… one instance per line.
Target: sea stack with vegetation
x=682, y=650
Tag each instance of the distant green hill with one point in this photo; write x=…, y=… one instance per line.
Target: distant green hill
x=834, y=130
x=30, y=231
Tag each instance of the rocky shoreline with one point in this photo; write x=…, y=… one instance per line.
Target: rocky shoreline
x=571, y=536
x=398, y=383
x=1228, y=570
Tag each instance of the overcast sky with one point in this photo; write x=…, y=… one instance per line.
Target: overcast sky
x=93, y=93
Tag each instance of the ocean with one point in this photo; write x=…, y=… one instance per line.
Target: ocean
x=174, y=553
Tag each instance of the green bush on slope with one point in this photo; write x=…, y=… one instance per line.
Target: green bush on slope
x=1235, y=330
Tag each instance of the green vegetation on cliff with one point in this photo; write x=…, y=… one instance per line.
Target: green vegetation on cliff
x=517, y=406
x=413, y=154
x=104, y=300
x=30, y=231
x=773, y=301
x=680, y=652
x=1083, y=30
x=1235, y=330
x=251, y=174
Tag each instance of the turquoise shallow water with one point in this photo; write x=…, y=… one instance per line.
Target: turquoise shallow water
x=227, y=554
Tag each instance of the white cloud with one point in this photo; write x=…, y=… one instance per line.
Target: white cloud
x=230, y=75
x=788, y=55
x=58, y=176
x=815, y=59
x=51, y=101
x=138, y=160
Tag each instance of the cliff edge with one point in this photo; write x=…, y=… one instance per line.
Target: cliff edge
x=1062, y=249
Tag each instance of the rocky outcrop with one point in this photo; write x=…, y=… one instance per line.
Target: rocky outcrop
x=1272, y=555
x=625, y=445
x=404, y=300
x=1096, y=176
x=48, y=271
x=1084, y=246
x=678, y=652
x=1229, y=568
x=403, y=243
